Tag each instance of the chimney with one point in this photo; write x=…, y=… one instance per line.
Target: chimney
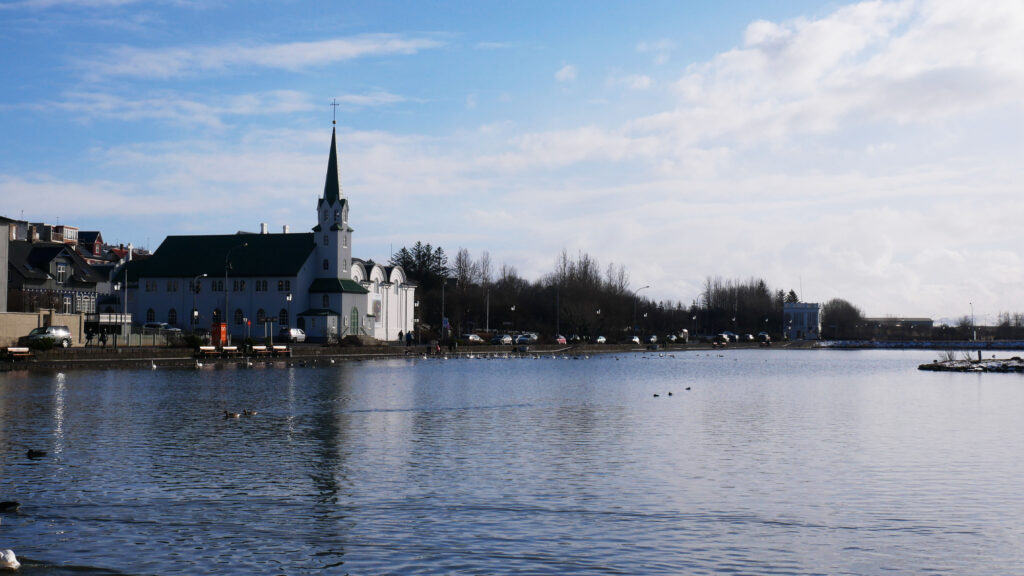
x=130, y=249
x=263, y=227
x=284, y=228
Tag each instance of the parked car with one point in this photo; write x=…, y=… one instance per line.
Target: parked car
x=523, y=339
x=501, y=339
x=748, y=337
x=601, y=340
x=559, y=339
x=59, y=335
x=764, y=337
x=150, y=327
x=472, y=339
x=722, y=338
x=292, y=334
x=636, y=340
x=652, y=339
x=731, y=336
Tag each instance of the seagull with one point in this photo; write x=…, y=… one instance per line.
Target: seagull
x=8, y=560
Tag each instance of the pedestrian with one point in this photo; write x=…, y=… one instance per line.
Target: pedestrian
x=401, y=336
x=88, y=337
x=408, y=339
x=103, y=339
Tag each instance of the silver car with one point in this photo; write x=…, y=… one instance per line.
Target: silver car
x=59, y=335
x=292, y=334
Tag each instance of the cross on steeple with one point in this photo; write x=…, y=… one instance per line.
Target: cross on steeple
x=334, y=104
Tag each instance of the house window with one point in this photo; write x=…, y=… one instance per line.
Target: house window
x=283, y=317
x=172, y=316
x=327, y=301
x=150, y=315
x=62, y=272
x=67, y=305
x=261, y=316
x=238, y=316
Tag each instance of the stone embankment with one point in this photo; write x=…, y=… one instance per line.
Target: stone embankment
x=1015, y=364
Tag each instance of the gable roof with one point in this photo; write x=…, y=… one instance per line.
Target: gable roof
x=336, y=286
x=251, y=255
x=31, y=260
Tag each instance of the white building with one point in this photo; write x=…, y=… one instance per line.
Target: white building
x=802, y=320
x=266, y=281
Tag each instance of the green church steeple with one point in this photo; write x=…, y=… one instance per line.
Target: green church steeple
x=332, y=187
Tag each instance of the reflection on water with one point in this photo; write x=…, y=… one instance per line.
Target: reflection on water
x=774, y=462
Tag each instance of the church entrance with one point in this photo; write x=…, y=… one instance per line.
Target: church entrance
x=353, y=322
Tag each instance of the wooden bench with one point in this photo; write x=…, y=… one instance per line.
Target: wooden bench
x=205, y=351
x=261, y=350
x=14, y=353
x=281, y=350
x=230, y=350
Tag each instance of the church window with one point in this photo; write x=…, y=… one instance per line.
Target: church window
x=344, y=240
x=238, y=316
x=327, y=264
x=261, y=316
x=287, y=285
x=337, y=215
x=325, y=239
x=344, y=266
x=280, y=285
x=150, y=315
x=172, y=316
x=327, y=301
x=283, y=317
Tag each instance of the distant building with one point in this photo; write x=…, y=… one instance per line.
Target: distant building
x=5, y=242
x=257, y=283
x=802, y=320
x=49, y=275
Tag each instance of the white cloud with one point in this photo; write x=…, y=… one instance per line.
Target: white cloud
x=566, y=73
x=179, y=61
x=661, y=49
x=631, y=82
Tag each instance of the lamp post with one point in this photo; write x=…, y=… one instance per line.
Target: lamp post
x=974, y=331
x=634, y=305
x=289, y=299
x=227, y=314
x=195, y=290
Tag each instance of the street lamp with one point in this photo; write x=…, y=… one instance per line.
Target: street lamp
x=289, y=299
x=122, y=286
x=634, y=306
x=227, y=313
x=195, y=290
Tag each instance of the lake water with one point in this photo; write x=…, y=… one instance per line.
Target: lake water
x=773, y=462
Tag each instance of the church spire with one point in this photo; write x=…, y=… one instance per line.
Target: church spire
x=332, y=187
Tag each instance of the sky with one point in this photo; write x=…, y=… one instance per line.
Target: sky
x=867, y=151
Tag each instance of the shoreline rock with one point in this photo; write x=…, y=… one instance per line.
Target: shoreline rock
x=1002, y=365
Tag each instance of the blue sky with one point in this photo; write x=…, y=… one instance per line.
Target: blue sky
x=868, y=151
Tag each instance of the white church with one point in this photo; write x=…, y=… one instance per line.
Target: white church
x=258, y=283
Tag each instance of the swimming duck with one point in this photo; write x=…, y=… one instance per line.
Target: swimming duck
x=9, y=506
x=8, y=560
x=35, y=453
x=247, y=412
x=231, y=414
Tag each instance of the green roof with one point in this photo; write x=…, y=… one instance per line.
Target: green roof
x=251, y=255
x=332, y=187
x=336, y=286
x=319, y=312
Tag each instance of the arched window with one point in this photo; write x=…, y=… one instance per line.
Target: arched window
x=261, y=316
x=150, y=315
x=327, y=301
x=172, y=317
x=238, y=316
x=326, y=264
x=283, y=317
